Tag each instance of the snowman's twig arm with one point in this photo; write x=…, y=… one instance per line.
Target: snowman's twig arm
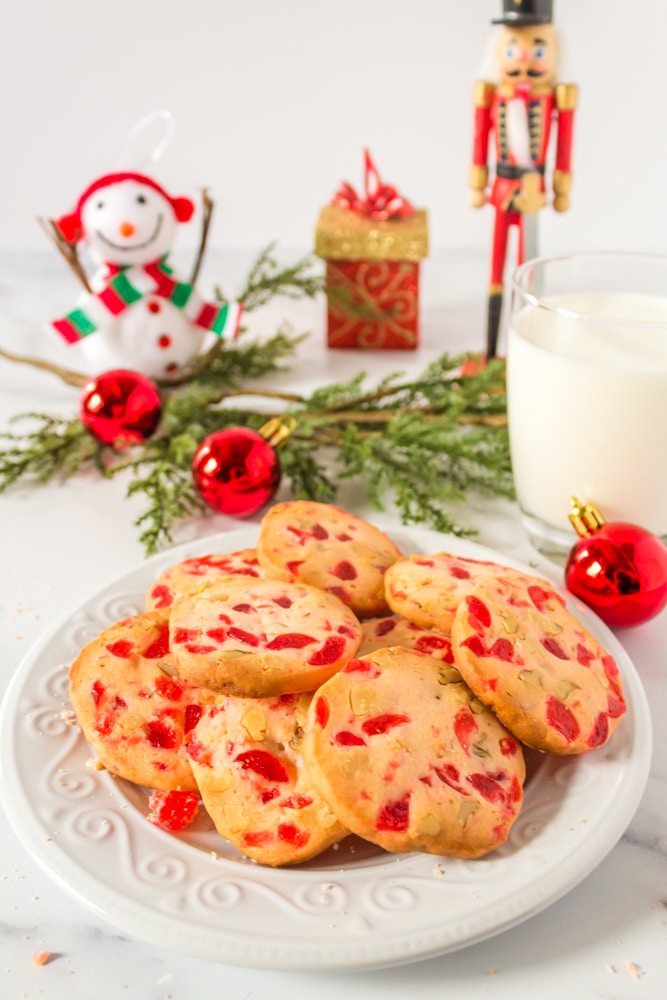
x=66, y=250
x=66, y=374
x=207, y=214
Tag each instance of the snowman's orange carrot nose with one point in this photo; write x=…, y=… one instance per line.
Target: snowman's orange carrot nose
x=127, y=229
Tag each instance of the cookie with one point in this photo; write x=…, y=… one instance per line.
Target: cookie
x=131, y=709
x=192, y=574
x=546, y=678
x=427, y=590
x=246, y=756
x=325, y=547
x=378, y=633
x=258, y=638
x=409, y=759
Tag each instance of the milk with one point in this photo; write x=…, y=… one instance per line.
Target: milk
x=587, y=402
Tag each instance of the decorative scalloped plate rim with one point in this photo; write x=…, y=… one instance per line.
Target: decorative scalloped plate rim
x=82, y=827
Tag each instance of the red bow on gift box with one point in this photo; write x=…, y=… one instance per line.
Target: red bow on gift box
x=380, y=201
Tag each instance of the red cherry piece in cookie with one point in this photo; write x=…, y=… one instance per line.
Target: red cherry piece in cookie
x=465, y=728
x=247, y=757
x=264, y=764
x=347, y=739
x=562, y=719
x=331, y=651
x=173, y=810
x=383, y=723
x=322, y=711
x=291, y=640
x=276, y=637
x=479, y=614
x=328, y=548
x=436, y=775
x=530, y=660
x=121, y=648
x=394, y=816
x=344, y=570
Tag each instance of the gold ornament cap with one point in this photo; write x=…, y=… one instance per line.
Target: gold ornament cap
x=277, y=430
x=585, y=517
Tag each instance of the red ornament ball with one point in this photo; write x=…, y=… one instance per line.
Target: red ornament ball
x=120, y=407
x=236, y=471
x=620, y=571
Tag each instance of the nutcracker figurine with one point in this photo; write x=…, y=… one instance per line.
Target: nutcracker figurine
x=520, y=107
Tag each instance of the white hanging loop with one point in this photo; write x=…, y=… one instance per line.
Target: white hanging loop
x=148, y=140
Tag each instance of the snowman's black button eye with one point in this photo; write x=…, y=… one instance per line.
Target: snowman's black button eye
x=100, y=204
x=141, y=199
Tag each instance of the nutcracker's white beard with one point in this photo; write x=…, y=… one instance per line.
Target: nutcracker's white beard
x=518, y=134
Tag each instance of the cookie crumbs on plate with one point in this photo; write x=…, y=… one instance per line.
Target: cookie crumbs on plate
x=490, y=972
x=634, y=970
x=439, y=871
x=41, y=958
x=95, y=765
x=612, y=970
x=327, y=886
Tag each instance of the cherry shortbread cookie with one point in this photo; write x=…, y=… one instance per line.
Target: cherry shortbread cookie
x=326, y=547
x=247, y=759
x=409, y=759
x=131, y=709
x=258, y=638
x=525, y=656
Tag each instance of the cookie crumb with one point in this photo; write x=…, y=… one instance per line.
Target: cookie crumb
x=612, y=970
x=41, y=958
x=634, y=970
x=490, y=972
x=95, y=765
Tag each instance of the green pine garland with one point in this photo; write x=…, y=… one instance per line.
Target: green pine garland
x=424, y=443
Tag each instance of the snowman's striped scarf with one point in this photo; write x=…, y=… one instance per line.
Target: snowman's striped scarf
x=132, y=284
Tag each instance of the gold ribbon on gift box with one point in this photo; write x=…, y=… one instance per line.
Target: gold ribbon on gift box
x=344, y=235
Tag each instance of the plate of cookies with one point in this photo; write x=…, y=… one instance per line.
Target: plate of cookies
x=318, y=744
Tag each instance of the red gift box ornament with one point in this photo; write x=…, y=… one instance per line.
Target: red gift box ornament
x=372, y=243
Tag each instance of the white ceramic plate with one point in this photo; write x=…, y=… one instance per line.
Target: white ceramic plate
x=351, y=908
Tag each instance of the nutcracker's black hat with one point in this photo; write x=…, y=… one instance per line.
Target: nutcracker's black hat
x=524, y=12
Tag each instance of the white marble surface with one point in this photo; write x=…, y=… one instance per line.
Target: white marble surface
x=606, y=939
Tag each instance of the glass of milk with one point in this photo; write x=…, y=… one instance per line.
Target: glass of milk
x=587, y=391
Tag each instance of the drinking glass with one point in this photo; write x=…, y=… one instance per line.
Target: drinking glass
x=587, y=391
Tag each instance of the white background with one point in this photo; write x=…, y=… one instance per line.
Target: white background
x=276, y=98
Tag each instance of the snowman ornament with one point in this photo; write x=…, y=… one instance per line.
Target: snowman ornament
x=142, y=315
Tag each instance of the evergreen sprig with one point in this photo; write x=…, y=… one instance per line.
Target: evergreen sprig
x=267, y=278
x=422, y=442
